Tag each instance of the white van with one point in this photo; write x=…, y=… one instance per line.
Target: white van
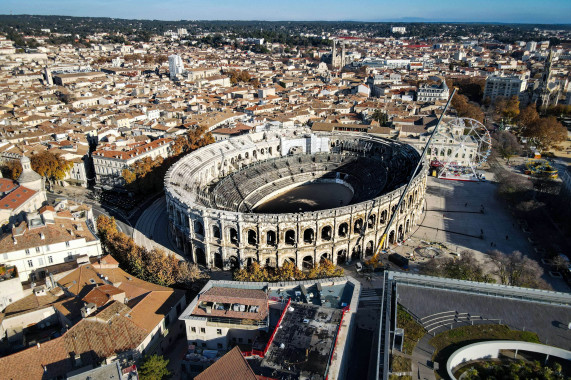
x=359, y=266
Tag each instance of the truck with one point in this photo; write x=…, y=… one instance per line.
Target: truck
x=399, y=260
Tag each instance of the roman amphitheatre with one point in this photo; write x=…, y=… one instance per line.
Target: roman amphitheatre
x=282, y=195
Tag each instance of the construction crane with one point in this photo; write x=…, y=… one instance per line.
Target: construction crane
x=403, y=195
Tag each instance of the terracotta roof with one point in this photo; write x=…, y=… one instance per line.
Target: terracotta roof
x=7, y=185
x=52, y=234
x=231, y=366
x=102, y=294
x=16, y=198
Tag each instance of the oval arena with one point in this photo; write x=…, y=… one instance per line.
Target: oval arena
x=230, y=203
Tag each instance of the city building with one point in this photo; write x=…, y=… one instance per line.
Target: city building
x=109, y=161
x=432, y=93
x=176, y=66
x=301, y=329
x=504, y=86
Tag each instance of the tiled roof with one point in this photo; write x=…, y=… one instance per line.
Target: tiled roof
x=231, y=366
x=222, y=295
x=7, y=185
x=52, y=234
x=100, y=295
x=16, y=198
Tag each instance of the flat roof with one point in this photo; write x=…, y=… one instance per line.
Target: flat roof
x=303, y=343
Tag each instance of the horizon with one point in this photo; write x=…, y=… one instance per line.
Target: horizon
x=415, y=11
x=402, y=20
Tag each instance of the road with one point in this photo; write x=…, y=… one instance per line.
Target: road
x=151, y=230
x=123, y=224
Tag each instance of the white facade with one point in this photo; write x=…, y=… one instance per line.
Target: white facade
x=504, y=86
x=427, y=93
x=398, y=29
x=30, y=259
x=176, y=67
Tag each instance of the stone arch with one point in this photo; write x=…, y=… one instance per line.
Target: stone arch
x=358, y=226
x=271, y=238
x=200, y=256
x=234, y=262
x=308, y=236
x=341, y=256
x=326, y=233
x=371, y=221
x=307, y=262
x=218, y=261
x=400, y=234
x=370, y=248
x=324, y=256
x=233, y=236
x=392, y=237
x=356, y=252
x=343, y=230
x=383, y=218
x=252, y=237
x=290, y=237
x=290, y=259
x=216, y=232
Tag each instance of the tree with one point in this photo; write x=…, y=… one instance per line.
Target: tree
x=154, y=367
x=515, y=269
x=50, y=166
x=506, y=144
x=528, y=116
x=466, y=267
x=12, y=169
x=545, y=132
x=381, y=117
x=466, y=109
x=507, y=109
x=189, y=273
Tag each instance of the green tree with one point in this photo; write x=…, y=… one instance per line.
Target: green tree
x=154, y=367
x=381, y=117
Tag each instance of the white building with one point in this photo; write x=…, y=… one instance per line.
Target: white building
x=506, y=86
x=45, y=239
x=110, y=162
x=398, y=29
x=176, y=66
x=531, y=46
x=428, y=93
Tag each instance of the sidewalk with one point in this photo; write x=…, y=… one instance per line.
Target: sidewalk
x=421, y=357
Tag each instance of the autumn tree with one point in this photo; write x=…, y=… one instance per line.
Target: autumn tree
x=237, y=76
x=507, y=109
x=50, y=166
x=464, y=108
x=506, y=144
x=545, y=132
x=12, y=169
x=528, y=116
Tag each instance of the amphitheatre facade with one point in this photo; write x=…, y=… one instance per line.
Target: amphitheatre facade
x=214, y=194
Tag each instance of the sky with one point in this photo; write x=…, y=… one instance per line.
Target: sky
x=509, y=11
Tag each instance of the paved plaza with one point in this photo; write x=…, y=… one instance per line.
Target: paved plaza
x=453, y=216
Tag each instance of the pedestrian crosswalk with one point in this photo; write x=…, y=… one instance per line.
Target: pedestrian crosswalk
x=370, y=298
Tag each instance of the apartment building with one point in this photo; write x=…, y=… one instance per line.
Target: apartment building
x=109, y=161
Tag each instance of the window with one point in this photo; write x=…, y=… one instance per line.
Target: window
x=47, y=247
x=193, y=329
x=30, y=263
x=70, y=255
x=28, y=251
x=219, y=331
x=167, y=320
x=50, y=260
x=67, y=243
x=41, y=261
x=203, y=344
x=240, y=340
x=202, y=330
x=38, y=249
